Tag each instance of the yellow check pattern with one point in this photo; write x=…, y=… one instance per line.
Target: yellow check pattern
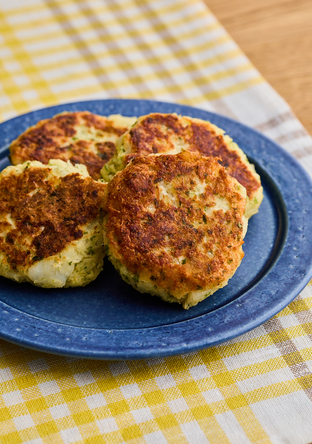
x=255, y=389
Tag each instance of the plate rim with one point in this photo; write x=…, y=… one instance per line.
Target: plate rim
x=36, y=332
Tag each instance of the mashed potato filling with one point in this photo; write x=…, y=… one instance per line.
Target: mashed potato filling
x=81, y=137
x=174, y=226
x=160, y=134
x=51, y=224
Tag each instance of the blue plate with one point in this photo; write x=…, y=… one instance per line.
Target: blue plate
x=109, y=320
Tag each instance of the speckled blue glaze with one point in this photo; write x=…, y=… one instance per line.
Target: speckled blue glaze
x=109, y=320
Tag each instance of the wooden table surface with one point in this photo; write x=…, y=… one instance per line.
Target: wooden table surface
x=276, y=36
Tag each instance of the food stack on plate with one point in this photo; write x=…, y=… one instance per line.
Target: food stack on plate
x=165, y=197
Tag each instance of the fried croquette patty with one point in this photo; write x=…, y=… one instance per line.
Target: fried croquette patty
x=170, y=133
x=174, y=226
x=81, y=137
x=50, y=224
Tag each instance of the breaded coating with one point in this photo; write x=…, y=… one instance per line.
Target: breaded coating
x=174, y=225
x=170, y=133
x=81, y=137
x=50, y=224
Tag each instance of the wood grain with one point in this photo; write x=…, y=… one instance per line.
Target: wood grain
x=276, y=35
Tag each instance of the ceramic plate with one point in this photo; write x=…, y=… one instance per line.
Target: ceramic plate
x=109, y=320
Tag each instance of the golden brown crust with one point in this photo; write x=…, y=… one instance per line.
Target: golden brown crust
x=161, y=133
x=182, y=244
x=59, y=138
x=48, y=212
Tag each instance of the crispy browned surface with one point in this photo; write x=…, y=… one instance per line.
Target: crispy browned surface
x=160, y=133
x=49, y=213
x=55, y=138
x=180, y=247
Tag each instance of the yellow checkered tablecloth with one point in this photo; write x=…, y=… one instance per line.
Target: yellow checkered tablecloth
x=255, y=389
